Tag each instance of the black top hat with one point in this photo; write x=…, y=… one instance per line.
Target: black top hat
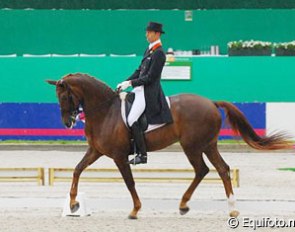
x=153, y=26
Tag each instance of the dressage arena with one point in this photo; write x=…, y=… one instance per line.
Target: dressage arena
x=77, y=41
x=264, y=192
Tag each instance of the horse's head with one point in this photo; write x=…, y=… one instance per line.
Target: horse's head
x=68, y=101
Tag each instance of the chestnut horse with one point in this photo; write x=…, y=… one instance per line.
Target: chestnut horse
x=197, y=123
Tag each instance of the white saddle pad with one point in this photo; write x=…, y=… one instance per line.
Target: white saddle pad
x=123, y=113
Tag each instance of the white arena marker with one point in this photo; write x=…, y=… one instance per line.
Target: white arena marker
x=81, y=212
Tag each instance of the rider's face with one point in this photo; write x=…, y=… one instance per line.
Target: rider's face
x=152, y=36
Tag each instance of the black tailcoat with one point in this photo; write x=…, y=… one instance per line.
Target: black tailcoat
x=148, y=74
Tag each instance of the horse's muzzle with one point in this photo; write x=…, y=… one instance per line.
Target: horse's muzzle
x=70, y=122
x=69, y=125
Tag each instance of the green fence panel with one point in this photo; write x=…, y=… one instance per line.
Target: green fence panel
x=237, y=79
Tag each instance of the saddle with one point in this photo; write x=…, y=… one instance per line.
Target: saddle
x=125, y=109
x=142, y=121
x=127, y=99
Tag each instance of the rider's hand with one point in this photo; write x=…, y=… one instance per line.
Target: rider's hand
x=124, y=85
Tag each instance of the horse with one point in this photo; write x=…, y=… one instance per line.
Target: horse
x=196, y=125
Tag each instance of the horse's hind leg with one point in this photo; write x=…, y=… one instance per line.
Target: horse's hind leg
x=90, y=156
x=224, y=173
x=201, y=169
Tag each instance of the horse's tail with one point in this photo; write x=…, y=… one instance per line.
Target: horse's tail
x=240, y=125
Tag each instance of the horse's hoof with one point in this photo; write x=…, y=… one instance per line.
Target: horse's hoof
x=234, y=213
x=132, y=217
x=75, y=207
x=183, y=211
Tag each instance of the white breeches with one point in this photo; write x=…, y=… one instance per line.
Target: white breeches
x=138, y=105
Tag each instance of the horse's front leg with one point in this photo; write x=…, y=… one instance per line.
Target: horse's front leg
x=90, y=156
x=129, y=181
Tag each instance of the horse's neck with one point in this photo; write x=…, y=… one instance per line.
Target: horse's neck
x=97, y=101
x=95, y=96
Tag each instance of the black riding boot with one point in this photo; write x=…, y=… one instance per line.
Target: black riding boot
x=138, y=136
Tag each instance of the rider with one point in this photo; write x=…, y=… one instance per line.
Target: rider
x=149, y=96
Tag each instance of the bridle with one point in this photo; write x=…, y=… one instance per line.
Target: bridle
x=73, y=109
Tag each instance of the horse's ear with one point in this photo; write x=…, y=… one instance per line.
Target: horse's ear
x=51, y=82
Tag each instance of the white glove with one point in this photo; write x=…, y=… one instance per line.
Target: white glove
x=124, y=85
